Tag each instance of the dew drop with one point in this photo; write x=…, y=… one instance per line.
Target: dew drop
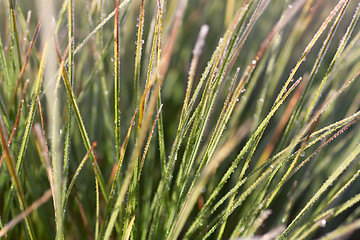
x=243, y=90
x=106, y=92
x=302, y=154
x=290, y=6
x=323, y=223
x=261, y=100
x=253, y=62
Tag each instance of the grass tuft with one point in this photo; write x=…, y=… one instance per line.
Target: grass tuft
x=239, y=119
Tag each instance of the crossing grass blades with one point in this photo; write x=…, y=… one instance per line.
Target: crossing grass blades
x=155, y=119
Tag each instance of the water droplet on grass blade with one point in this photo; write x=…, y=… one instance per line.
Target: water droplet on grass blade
x=323, y=223
x=302, y=154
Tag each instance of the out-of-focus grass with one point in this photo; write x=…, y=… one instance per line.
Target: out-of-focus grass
x=179, y=119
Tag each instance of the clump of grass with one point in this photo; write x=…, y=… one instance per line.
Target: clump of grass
x=179, y=119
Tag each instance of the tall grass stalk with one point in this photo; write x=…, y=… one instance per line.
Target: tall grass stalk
x=239, y=119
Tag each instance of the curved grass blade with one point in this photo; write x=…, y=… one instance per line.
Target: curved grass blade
x=15, y=180
x=72, y=182
x=352, y=156
x=82, y=129
x=43, y=199
x=115, y=176
x=98, y=27
x=161, y=69
x=210, y=169
x=335, y=58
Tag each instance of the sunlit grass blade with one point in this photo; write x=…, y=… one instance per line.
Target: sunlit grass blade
x=97, y=192
x=15, y=180
x=28, y=53
x=322, y=218
x=139, y=43
x=220, y=156
x=98, y=27
x=351, y=157
x=30, y=118
x=15, y=46
x=246, y=117
x=17, y=119
x=161, y=69
x=148, y=143
x=117, y=81
x=83, y=130
x=335, y=58
x=115, y=176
